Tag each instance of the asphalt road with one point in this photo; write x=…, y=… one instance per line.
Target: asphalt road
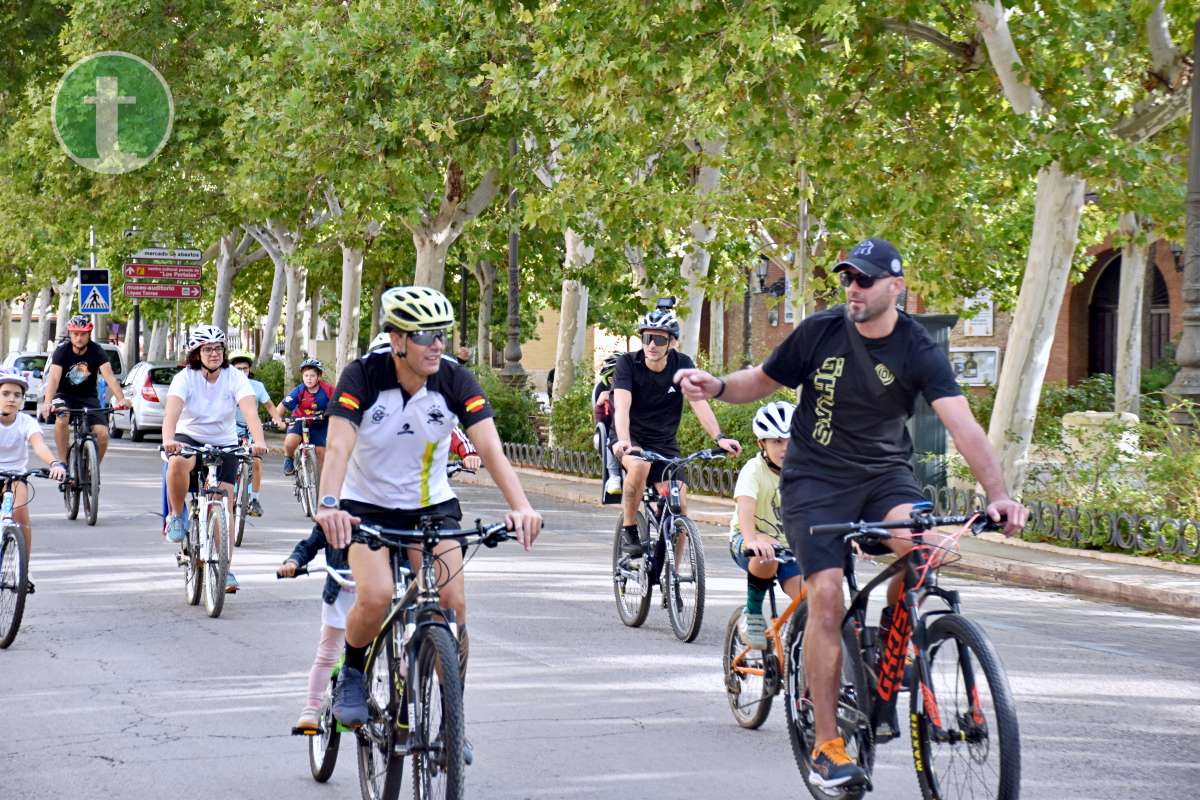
x=116, y=689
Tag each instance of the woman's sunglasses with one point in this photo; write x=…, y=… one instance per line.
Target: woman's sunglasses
x=863, y=281
x=656, y=339
x=426, y=338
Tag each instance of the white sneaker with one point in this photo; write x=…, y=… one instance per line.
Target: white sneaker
x=613, y=485
x=754, y=631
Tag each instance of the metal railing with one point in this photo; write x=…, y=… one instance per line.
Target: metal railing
x=704, y=478
x=1136, y=534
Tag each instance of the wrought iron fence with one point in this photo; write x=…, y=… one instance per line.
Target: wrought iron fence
x=705, y=478
x=1136, y=534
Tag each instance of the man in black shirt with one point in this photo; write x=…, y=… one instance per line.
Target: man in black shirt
x=71, y=382
x=647, y=407
x=848, y=456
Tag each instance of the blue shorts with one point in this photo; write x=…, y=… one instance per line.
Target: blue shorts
x=786, y=571
x=316, y=432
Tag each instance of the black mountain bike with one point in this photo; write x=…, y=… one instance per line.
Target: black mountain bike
x=679, y=567
x=83, y=464
x=414, y=691
x=14, y=559
x=963, y=720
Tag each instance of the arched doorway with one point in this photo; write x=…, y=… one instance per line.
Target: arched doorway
x=1102, y=319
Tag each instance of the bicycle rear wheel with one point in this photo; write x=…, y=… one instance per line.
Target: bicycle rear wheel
x=439, y=770
x=853, y=720
x=631, y=582
x=71, y=484
x=241, y=503
x=749, y=698
x=89, y=482
x=380, y=766
x=968, y=741
x=193, y=564
x=216, y=559
x=685, y=581
x=14, y=580
x=323, y=745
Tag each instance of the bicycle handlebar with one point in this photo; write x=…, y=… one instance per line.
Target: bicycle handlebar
x=20, y=475
x=81, y=411
x=782, y=554
x=455, y=468
x=700, y=455
x=376, y=536
x=208, y=450
x=918, y=522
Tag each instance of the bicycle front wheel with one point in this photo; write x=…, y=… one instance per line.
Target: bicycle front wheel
x=216, y=559
x=89, y=481
x=685, y=581
x=853, y=720
x=241, y=503
x=438, y=767
x=304, y=482
x=968, y=742
x=71, y=485
x=380, y=766
x=323, y=745
x=745, y=676
x=14, y=580
x=631, y=583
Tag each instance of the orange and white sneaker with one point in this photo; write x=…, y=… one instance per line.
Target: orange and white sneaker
x=832, y=768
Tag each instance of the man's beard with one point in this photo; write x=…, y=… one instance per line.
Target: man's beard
x=868, y=311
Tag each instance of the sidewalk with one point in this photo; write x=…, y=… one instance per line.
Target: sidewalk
x=1131, y=580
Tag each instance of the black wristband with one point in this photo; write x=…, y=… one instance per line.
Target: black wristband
x=720, y=391
x=720, y=435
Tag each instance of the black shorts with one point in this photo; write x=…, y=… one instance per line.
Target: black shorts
x=448, y=514
x=657, y=467
x=814, y=501
x=94, y=418
x=226, y=472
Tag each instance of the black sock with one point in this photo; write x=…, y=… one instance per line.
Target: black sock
x=631, y=532
x=356, y=657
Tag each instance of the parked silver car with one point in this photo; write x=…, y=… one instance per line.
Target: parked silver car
x=146, y=392
x=33, y=366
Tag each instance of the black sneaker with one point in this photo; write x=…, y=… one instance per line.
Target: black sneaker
x=832, y=768
x=631, y=545
x=350, y=698
x=28, y=586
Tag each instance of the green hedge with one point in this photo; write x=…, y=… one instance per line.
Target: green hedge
x=514, y=405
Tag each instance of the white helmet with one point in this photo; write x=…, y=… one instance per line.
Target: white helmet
x=382, y=339
x=204, y=334
x=773, y=421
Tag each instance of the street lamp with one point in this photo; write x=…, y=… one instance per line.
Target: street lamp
x=776, y=289
x=1177, y=253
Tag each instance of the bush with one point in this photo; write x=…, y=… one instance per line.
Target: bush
x=571, y=416
x=271, y=375
x=514, y=405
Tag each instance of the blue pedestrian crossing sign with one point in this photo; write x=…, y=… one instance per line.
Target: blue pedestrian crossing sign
x=95, y=292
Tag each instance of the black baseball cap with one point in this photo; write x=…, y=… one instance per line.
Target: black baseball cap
x=878, y=258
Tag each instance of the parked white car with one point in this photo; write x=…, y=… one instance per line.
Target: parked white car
x=145, y=390
x=33, y=366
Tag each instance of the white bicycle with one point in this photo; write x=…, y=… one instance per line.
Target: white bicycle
x=204, y=552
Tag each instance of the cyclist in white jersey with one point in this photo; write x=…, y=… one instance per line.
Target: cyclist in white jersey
x=385, y=462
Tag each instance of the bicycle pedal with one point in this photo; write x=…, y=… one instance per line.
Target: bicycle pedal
x=305, y=731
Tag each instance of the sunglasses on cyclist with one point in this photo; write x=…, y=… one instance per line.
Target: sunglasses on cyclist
x=657, y=339
x=863, y=281
x=426, y=338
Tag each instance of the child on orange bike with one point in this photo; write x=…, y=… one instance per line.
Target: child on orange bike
x=756, y=528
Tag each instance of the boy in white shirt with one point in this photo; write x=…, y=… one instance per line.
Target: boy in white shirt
x=756, y=528
x=18, y=433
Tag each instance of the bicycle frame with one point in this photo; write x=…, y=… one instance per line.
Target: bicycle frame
x=774, y=636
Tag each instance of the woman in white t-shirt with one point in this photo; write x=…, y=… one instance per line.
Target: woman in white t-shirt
x=200, y=411
x=18, y=433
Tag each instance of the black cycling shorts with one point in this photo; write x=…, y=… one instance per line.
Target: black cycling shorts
x=814, y=501
x=448, y=513
x=226, y=472
x=94, y=418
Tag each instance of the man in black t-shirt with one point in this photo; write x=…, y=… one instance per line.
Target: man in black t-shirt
x=848, y=456
x=71, y=382
x=647, y=407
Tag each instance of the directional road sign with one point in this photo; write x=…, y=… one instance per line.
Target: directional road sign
x=167, y=254
x=95, y=292
x=175, y=272
x=163, y=291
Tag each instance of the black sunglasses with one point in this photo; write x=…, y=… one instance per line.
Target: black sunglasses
x=426, y=338
x=658, y=339
x=863, y=281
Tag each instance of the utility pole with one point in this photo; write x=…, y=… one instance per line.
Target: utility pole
x=1186, y=386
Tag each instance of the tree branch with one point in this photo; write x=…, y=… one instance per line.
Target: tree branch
x=1165, y=59
x=1151, y=116
x=969, y=53
x=993, y=26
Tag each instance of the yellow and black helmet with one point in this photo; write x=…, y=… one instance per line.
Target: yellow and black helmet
x=416, y=308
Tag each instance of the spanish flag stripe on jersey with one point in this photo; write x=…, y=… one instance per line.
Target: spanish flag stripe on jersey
x=349, y=401
x=475, y=403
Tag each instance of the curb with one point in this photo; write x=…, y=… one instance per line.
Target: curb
x=1001, y=570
